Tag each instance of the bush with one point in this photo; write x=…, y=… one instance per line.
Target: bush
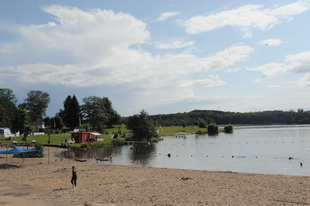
x=213, y=129
x=202, y=124
x=118, y=142
x=85, y=146
x=32, y=154
x=201, y=132
x=228, y=129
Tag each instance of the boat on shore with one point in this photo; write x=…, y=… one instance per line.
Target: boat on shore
x=80, y=160
x=109, y=158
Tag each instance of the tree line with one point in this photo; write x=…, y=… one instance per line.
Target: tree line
x=205, y=117
x=98, y=113
x=95, y=111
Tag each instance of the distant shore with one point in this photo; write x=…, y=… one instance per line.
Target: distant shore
x=46, y=182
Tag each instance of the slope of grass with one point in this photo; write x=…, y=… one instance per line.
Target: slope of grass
x=57, y=139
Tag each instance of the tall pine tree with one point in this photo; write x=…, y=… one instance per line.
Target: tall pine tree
x=74, y=113
x=71, y=113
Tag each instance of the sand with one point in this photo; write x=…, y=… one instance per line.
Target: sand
x=47, y=183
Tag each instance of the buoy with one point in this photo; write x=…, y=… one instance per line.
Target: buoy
x=169, y=155
x=301, y=164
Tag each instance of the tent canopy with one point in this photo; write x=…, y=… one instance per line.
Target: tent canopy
x=17, y=150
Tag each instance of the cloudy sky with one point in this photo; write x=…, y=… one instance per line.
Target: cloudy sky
x=163, y=56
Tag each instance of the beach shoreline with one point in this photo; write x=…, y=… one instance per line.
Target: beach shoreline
x=46, y=181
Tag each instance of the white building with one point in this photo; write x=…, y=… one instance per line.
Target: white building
x=6, y=132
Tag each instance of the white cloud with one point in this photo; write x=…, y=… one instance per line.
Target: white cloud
x=77, y=36
x=270, y=42
x=232, y=70
x=212, y=81
x=246, y=17
x=292, y=9
x=166, y=15
x=297, y=63
x=304, y=81
x=93, y=48
x=174, y=44
x=271, y=70
x=226, y=58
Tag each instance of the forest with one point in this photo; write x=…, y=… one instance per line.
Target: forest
x=98, y=113
x=200, y=117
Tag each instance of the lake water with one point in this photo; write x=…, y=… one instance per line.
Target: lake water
x=250, y=149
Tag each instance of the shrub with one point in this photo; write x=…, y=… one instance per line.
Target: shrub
x=86, y=145
x=202, y=124
x=201, y=132
x=228, y=129
x=213, y=129
x=32, y=154
x=118, y=142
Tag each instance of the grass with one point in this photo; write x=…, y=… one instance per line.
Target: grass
x=165, y=131
x=41, y=139
x=57, y=139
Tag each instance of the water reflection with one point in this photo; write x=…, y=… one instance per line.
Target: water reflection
x=90, y=153
x=138, y=154
x=142, y=154
x=254, y=150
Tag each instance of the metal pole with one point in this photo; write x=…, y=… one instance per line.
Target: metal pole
x=6, y=165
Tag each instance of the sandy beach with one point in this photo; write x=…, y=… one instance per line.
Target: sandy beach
x=47, y=183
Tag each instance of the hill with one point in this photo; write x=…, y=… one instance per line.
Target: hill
x=196, y=117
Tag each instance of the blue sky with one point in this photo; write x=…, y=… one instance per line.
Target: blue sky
x=161, y=56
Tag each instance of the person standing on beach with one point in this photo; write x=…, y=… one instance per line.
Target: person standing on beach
x=74, y=177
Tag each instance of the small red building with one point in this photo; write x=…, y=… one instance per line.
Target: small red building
x=82, y=137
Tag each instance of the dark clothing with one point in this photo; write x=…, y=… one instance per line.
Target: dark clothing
x=74, y=178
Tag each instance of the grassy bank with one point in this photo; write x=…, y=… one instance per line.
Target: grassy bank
x=57, y=139
x=166, y=131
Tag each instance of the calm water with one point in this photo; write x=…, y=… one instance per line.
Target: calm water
x=264, y=150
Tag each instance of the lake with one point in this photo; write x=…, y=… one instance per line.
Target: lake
x=250, y=149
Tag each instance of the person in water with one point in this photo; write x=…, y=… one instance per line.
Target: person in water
x=74, y=177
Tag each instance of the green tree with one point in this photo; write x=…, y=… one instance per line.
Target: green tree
x=22, y=124
x=96, y=110
x=27, y=131
x=7, y=107
x=64, y=113
x=74, y=118
x=113, y=116
x=202, y=124
x=47, y=121
x=100, y=129
x=228, y=129
x=58, y=122
x=71, y=113
x=141, y=126
x=213, y=129
x=36, y=104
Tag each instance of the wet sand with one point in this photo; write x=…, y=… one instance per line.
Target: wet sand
x=42, y=182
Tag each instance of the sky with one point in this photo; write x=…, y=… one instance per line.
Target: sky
x=164, y=56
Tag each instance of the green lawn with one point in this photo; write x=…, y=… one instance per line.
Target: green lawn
x=41, y=139
x=60, y=138
x=164, y=131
